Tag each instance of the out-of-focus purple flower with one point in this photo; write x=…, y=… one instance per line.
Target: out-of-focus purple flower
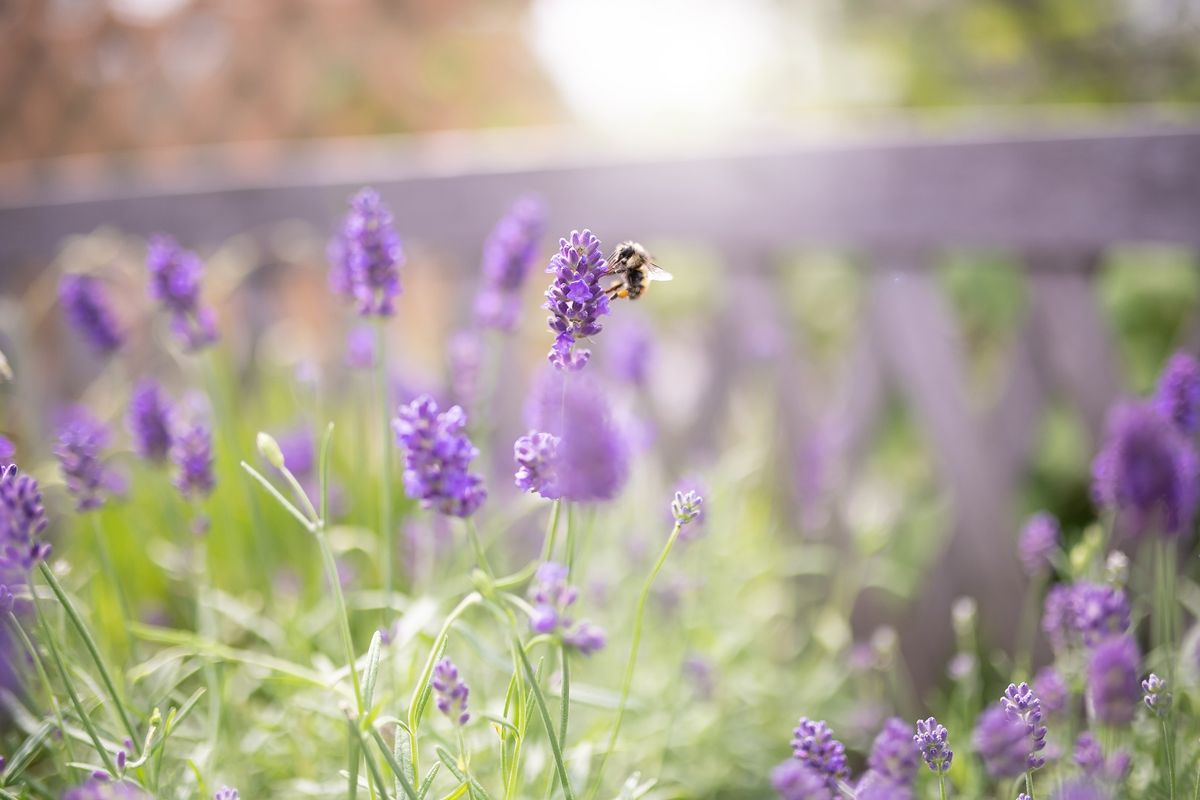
x=81, y=442
x=450, y=692
x=593, y=455
x=1020, y=702
x=437, y=458
x=508, y=254
x=226, y=793
x=814, y=745
x=1003, y=742
x=1112, y=681
x=366, y=256
x=1155, y=695
x=149, y=420
x=796, y=780
x=894, y=755
x=1084, y=613
x=630, y=352
x=1147, y=472
x=191, y=453
x=575, y=299
x=931, y=740
x=465, y=350
x=1178, y=395
x=1081, y=789
x=1039, y=541
x=7, y=451
x=552, y=598
x=360, y=348
x=298, y=447
x=22, y=520
x=536, y=455
x=87, y=310
x=101, y=787
x=1049, y=686
x=175, y=284
x=1088, y=755
x=874, y=786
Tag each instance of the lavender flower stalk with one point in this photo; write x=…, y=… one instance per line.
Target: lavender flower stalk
x=552, y=598
x=87, y=310
x=813, y=744
x=591, y=457
x=575, y=299
x=892, y=764
x=22, y=521
x=508, y=254
x=1112, y=681
x=1155, y=695
x=175, y=284
x=366, y=256
x=81, y=441
x=536, y=455
x=796, y=780
x=437, y=458
x=1178, y=395
x=931, y=740
x=149, y=421
x=1019, y=702
x=1003, y=742
x=1039, y=542
x=191, y=452
x=450, y=692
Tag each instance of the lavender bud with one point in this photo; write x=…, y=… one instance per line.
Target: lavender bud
x=552, y=598
x=686, y=507
x=22, y=520
x=592, y=454
x=1178, y=395
x=931, y=741
x=1112, y=681
x=575, y=299
x=894, y=754
x=1019, y=702
x=1084, y=614
x=450, y=692
x=1156, y=696
x=1088, y=755
x=813, y=744
x=225, y=793
x=101, y=786
x=1049, y=686
x=366, y=256
x=268, y=448
x=1003, y=741
x=87, y=310
x=1039, y=543
x=175, y=284
x=437, y=458
x=1146, y=472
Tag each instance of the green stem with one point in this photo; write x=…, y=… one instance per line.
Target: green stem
x=942, y=784
x=101, y=750
x=90, y=644
x=544, y=711
x=627, y=680
x=40, y=666
x=480, y=556
x=335, y=585
x=551, y=531
x=1170, y=759
x=565, y=699
x=385, y=494
x=206, y=626
x=110, y=573
x=1029, y=783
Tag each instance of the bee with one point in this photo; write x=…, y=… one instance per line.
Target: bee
x=635, y=269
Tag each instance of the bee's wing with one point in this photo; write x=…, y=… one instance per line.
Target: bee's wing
x=657, y=273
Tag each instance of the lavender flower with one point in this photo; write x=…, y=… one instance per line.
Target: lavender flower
x=1112, y=681
x=1088, y=755
x=1081, y=789
x=87, y=310
x=931, y=741
x=149, y=420
x=1084, y=613
x=465, y=351
x=536, y=454
x=101, y=787
x=1156, y=697
x=1039, y=541
x=7, y=451
x=630, y=352
x=508, y=254
x=1049, y=686
x=814, y=745
x=686, y=507
x=874, y=786
x=575, y=299
x=592, y=460
x=552, y=598
x=450, y=692
x=1146, y=472
x=796, y=780
x=226, y=793
x=81, y=440
x=894, y=754
x=191, y=452
x=175, y=284
x=22, y=520
x=366, y=256
x=1019, y=702
x=360, y=348
x=437, y=458
x=1178, y=395
x=1003, y=742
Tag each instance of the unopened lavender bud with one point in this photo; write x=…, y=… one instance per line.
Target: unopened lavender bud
x=686, y=507
x=1156, y=697
x=268, y=448
x=1116, y=569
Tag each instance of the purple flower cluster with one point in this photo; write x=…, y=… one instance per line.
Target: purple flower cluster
x=7, y=451
x=575, y=299
x=1020, y=703
x=87, y=310
x=630, y=352
x=1039, y=542
x=536, y=455
x=450, y=692
x=81, y=442
x=437, y=458
x=226, y=793
x=1089, y=757
x=931, y=741
x=101, y=787
x=552, y=599
x=360, y=348
x=686, y=508
x=1050, y=688
x=1003, y=742
x=892, y=764
x=22, y=520
x=508, y=254
x=796, y=780
x=1113, y=689
x=813, y=744
x=1155, y=695
x=191, y=453
x=1178, y=395
x=592, y=456
x=149, y=420
x=1084, y=613
x=175, y=284
x=366, y=256
x=1146, y=472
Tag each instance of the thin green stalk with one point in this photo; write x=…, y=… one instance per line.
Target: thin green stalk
x=480, y=556
x=544, y=711
x=110, y=574
x=565, y=699
x=331, y=575
x=385, y=494
x=942, y=784
x=1029, y=783
x=40, y=666
x=627, y=680
x=551, y=531
x=1170, y=759
x=90, y=644
x=206, y=626
x=570, y=543
x=56, y=656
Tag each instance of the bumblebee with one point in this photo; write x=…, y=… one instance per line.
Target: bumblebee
x=635, y=270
